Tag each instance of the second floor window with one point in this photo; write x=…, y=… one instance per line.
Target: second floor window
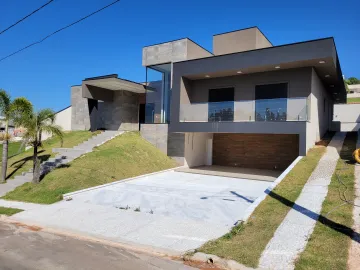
x=271, y=102
x=221, y=104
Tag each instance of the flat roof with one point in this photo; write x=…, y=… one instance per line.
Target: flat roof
x=112, y=82
x=320, y=54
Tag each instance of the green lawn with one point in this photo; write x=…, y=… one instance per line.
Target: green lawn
x=328, y=246
x=246, y=242
x=125, y=156
x=23, y=162
x=353, y=100
x=9, y=211
x=14, y=149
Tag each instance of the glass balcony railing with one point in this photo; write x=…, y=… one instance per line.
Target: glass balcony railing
x=262, y=110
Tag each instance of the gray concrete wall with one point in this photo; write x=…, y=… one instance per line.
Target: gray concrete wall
x=320, y=106
x=171, y=144
x=173, y=51
x=120, y=114
x=80, y=117
x=165, y=52
x=239, y=41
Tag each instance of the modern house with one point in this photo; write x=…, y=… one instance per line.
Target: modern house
x=246, y=104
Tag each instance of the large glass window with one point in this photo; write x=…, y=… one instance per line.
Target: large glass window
x=158, y=94
x=271, y=102
x=221, y=105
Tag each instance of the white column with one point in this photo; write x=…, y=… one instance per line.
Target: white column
x=209, y=146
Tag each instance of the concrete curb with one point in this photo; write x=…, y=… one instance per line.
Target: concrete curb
x=213, y=259
x=84, y=237
x=256, y=203
x=69, y=195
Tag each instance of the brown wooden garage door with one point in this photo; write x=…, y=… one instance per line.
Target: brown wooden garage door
x=261, y=151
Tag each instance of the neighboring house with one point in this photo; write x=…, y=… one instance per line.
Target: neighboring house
x=11, y=126
x=355, y=88
x=247, y=104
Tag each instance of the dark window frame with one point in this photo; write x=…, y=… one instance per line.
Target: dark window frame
x=271, y=115
x=221, y=106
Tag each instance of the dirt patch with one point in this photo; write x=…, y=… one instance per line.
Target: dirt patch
x=202, y=265
x=31, y=228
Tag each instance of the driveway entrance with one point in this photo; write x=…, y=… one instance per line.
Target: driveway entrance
x=171, y=210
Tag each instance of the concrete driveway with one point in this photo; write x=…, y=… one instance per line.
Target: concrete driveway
x=169, y=211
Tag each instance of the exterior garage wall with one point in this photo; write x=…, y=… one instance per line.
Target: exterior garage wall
x=261, y=151
x=195, y=148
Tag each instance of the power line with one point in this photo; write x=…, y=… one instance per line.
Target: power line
x=27, y=16
x=59, y=30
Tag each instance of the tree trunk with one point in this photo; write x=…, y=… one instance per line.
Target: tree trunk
x=36, y=166
x=5, y=154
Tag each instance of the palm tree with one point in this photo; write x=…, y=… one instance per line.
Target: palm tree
x=14, y=110
x=35, y=124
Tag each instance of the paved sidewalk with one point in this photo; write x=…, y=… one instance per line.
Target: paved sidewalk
x=354, y=256
x=291, y=237
x=20, y=205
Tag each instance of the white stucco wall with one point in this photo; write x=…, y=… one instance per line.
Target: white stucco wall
x=62, y=119
x=195, y=148
x=346, y=117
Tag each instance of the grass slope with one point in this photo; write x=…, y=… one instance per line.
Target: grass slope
x=246, y=242
x=9, y=211
x=328, y=246
x=353, y=100
x=125, y=156
x=23, y=161
x=14, y=149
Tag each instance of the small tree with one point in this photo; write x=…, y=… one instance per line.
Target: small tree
x=35, y=124
x=12, y=110
x=353, y=80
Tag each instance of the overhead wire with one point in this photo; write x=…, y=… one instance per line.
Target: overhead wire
x=24, y=18
x=59, y=30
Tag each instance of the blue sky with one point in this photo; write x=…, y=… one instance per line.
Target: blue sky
x=112, y=41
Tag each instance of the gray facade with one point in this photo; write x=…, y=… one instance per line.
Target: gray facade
x=80, y=116
x=186, y=72
x=171, y=144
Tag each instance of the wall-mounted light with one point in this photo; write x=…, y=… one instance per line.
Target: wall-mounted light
x=239, y=72
x=277, y=67
x=327, y=76
x=322, y=62
x=207, y=76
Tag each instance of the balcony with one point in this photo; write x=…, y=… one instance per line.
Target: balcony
x=261, y=110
